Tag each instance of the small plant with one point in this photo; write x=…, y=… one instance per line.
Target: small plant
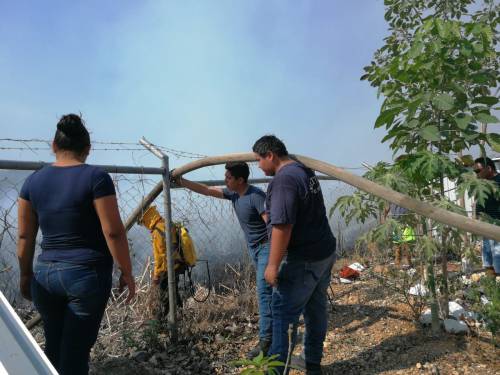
x=129, y=340
x=151, y=334
x=491, y=310
x=486, y=299
x=260, y=365
x=400, y=281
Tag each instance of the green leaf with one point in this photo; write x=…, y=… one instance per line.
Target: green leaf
x=463, y=121
x=466, y=50
x=475, y=65
x=459, y=88
x=437, y=45
x=494, y=141
x=442, y=28
x=455, y=29
x=425, y=166
x=443, y=102
x=415, y=50
x=413, y=123
x=259, y=357
x=470, y=136
x=476, y=29
x=478, y=47
x=387, y=117
x=241, y=362
x=487, y=33
x=430, y=133
x=486, y=118
x=488, y=100
x=481, y=78
x=475, y=187
x=250, y=371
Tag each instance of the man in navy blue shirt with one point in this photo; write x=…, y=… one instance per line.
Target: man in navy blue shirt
x=248, y=203
x=302, y=251
x=485, y=168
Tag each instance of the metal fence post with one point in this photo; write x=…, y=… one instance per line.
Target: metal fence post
x=172, y=303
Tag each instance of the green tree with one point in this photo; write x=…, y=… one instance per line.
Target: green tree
x=437, y=73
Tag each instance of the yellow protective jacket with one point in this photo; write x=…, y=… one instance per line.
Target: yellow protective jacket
x=184, y=255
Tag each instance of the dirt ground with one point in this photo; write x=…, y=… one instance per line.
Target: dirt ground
x=371, y=331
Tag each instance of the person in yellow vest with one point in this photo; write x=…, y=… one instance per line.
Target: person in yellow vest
x=184, y=254
x=402, y=245
x=183, y=248
x=403, y=237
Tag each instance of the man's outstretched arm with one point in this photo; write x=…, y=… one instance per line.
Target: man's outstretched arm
x=211, y=191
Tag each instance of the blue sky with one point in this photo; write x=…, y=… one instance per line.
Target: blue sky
x=203, y=76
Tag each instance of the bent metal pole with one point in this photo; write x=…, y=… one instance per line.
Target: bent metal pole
x=422, y=208
x=172, y=303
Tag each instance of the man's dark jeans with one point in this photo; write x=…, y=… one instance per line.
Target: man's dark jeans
x=71, y=299
x=260, y=257
x=302, y=288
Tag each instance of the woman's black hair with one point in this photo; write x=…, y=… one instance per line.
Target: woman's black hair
x=71, y=134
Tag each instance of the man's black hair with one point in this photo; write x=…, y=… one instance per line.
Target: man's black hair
x=486, y=162
x=270, y=143
x=238, y=169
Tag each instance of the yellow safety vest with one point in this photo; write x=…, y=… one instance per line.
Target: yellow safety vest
x=184, y=255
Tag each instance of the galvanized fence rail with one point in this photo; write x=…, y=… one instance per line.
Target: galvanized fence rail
x=211, y=222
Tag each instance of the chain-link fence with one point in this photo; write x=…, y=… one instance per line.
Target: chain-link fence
x=211, y=222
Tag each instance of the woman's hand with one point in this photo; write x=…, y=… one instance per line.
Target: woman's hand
x=128, y=281
x=25, y=286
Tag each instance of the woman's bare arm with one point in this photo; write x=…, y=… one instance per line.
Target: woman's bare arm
x=114, y=232
x=27, y=230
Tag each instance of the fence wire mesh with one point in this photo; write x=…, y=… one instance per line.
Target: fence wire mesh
x=212, y=224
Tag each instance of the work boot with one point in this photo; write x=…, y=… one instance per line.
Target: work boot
x=262, y=346
x=313, y=368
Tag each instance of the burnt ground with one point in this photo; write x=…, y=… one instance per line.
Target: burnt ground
x=371, y=331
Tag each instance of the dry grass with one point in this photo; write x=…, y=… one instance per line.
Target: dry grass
x=142, y=325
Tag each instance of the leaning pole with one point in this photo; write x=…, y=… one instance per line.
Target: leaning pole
x=422, y=208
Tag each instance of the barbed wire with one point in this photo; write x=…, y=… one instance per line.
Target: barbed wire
x=128, y=146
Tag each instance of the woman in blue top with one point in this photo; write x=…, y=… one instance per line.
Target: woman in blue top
x=75, y=206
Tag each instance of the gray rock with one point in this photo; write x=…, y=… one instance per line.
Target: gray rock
x=455, y=326
x=426, y=317
x=456, y=310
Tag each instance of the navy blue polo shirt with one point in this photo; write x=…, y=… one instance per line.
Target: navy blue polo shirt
x=249, y=209
x=491, y=206
x=294, y=197
x=62, y=198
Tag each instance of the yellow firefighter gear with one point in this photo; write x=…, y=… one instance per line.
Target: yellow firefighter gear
x=184, y=255
x=408, y=235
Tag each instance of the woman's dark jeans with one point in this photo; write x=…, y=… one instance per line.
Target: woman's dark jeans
x=71, y=299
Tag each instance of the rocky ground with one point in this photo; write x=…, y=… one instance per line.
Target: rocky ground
x=371, y=331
